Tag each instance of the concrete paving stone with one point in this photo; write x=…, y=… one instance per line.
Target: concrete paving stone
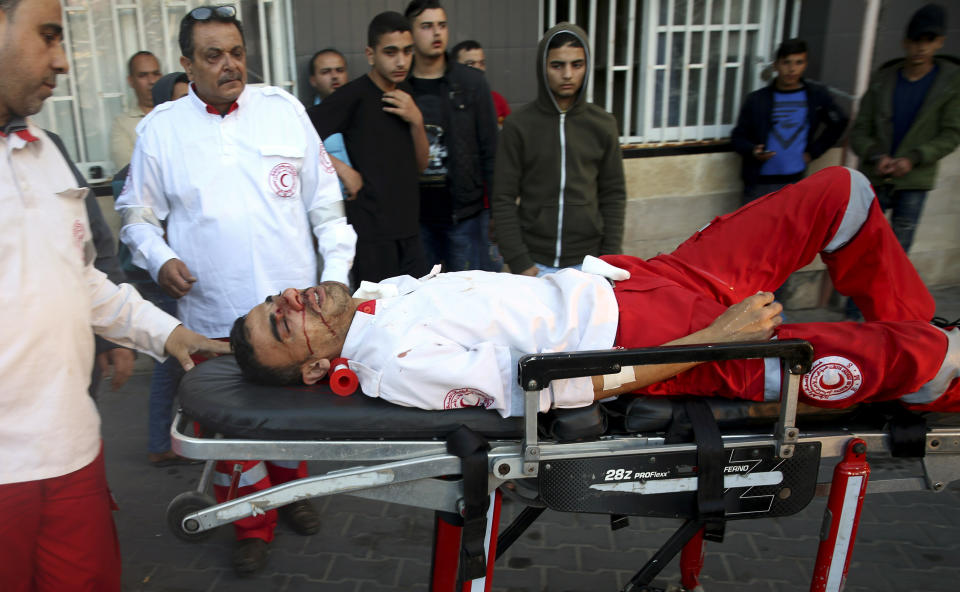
x=311, y=566
x=597, y=559
x=381, y=570
x=530, y=579
x=771, y=528
x=171, y=579
x=559, y=580
x=414, y=572
x=744, y=569
x=416, y=524
x=881, y=553
x=929, y=558
x=766, y=546
x=262, y=581
x=567, y=556
x=597, y=536
x=934, y=580
x=901, y=531
x=302, y=584
x=371, y=587
x=945, y=538
x=712, y=585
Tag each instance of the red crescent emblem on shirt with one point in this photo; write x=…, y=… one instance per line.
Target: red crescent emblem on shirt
x=466, y=397
x=283, y=179
x=325, y=161
x=832, y=378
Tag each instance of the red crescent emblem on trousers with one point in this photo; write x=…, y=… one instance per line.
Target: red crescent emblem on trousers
x=832, y=378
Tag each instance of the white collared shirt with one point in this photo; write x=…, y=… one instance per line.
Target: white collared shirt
x=453, y=340
x=240, y=195
x=51, y=298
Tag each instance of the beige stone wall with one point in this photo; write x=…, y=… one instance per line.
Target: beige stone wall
x=671, y=197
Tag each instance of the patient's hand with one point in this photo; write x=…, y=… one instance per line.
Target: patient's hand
x=182, y=342
x=752, y=319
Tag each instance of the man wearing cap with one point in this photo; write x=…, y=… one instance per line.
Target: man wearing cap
x=246, y=195
x=909, y=119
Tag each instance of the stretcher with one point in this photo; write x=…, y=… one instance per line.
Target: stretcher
x=702, y=461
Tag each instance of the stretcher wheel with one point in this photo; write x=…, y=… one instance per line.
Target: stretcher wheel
x=182, y=506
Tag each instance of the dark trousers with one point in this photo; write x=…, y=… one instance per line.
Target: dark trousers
x=377, y=260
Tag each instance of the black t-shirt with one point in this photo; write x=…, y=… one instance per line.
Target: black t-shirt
x=435, y=201
x=381, y=149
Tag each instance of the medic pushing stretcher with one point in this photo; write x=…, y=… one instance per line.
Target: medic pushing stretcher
x=452, y=341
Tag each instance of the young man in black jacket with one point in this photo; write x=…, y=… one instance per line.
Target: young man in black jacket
x=785, y=125
x=461, y=125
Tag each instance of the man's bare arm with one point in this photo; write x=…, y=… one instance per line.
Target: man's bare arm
x=752, y=319
x=351, y=178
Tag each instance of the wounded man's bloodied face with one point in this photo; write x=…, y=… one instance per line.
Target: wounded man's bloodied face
x=296, y=332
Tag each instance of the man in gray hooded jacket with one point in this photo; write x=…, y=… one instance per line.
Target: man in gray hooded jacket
x=560, y=155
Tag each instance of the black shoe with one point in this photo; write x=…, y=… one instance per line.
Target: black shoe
x=301, y=517
x=249, y=556
x=944, y=323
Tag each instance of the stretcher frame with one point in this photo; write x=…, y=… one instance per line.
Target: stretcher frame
x=422, y=473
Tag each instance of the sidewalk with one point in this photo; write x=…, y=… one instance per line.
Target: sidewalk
x=907, y=541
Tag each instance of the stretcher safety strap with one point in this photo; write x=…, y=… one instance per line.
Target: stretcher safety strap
x=472, y=449
x=710, y=462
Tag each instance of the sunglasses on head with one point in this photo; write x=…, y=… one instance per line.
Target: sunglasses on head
x=204, y=13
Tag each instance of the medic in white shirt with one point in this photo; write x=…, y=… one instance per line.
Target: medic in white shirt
x=57, y=529
x=240, y=182
x=228, y=189
x=454, y=338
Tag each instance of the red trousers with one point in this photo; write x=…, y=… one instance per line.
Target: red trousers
x=256, y=475
x=58, y=534
x=833, y=213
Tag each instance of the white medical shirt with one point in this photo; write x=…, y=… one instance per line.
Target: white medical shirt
x=453, y=340
x=240, y=195
x=51, y=298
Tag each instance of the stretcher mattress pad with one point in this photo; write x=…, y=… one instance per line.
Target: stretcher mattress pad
x=216, y=395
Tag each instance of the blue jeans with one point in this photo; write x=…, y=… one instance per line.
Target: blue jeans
x=907, y=206
x=163, y=382
x=455, y=245
x=488, y=256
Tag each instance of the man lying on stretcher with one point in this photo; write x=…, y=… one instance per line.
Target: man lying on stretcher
x=453, y=339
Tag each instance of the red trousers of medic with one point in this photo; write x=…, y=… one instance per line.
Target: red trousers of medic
x=57, y=534
x=255, y=475
x=895, y=354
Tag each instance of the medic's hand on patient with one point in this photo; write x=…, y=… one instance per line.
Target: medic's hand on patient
x=175, y=279
x=183, y=342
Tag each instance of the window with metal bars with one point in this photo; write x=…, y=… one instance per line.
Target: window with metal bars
x=676, y=71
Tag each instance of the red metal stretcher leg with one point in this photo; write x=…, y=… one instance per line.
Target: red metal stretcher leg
x=446, y=551
x=691, y=562
x=841, y=519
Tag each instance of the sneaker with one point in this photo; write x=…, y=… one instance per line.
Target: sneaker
x=301, y=517
x=249, y=556
x=944, y=323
